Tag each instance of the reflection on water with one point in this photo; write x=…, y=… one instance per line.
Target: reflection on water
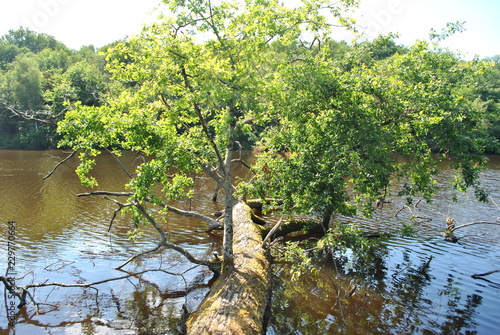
x=419, y=285
x=396, y=288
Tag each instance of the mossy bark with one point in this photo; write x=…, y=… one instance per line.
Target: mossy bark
x=237, y=301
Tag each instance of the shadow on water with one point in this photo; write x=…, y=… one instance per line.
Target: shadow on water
x=406, y=285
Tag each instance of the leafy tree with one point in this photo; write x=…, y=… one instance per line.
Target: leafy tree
x=88, y=81
x=199, y=77
x=33, y=41
x=488, y=89
x=24, y=81
x=40, y=79
x=53, y=60
x=335, y=132
x=8, y=53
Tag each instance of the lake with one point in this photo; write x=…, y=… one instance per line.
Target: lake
x=397, y=288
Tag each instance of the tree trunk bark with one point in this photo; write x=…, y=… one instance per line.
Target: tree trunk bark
x=227, y=185
x=237, y=301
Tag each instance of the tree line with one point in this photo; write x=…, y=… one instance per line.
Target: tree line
x=40, y=79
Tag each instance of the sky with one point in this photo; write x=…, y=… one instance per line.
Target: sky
x=77, y=23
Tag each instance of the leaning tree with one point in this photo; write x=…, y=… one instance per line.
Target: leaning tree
x=197, y=81
x=194, y=83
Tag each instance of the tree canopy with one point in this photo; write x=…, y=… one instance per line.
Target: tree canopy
x=40, y=79
x=327, y=128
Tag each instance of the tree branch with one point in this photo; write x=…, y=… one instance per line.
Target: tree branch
x=484, y=274
x=152, y=221
x=116, y=211
x=139, y=254
x=114, y=194
x=59, y=164
x=170, y=245
x=271, y=233
x=202, y=120
x=211, y=222
x=214, y=266
x=474, y=223
x=119, y=163
x=51, y=119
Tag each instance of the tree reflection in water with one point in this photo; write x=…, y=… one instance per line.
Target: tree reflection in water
x=385, y=299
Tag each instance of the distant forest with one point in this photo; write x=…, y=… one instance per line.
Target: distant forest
x=41, y=79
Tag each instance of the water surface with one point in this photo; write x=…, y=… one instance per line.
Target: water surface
x=397, y=289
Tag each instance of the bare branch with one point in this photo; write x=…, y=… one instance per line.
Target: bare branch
x=163, y=236
x=114, y=194
x=151, y=220
x=119, y=163
x=474, y=223
x=169, y=245
x=59, y=164
x=116, y=211
x=211, y=222
x=240, y=160
x=271, y=232
x=34, y=115
x=484, y=274
x=139, y=255
x=23, y=291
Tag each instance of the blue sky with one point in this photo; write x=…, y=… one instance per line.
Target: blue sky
x=98, y=22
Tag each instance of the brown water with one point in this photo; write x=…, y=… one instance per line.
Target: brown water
x=64, y=238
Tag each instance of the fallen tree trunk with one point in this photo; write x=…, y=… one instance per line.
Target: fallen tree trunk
x=237, y=301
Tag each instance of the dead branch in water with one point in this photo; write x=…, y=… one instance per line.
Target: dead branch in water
x=484, y=274
x=211, y=222
x=474, y=223
x=413, y=211
x=114, y=194
x=116, y=211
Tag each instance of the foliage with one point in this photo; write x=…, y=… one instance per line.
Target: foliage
x=193, y=86
x=408, y=230
x=335, y=132
x=300, y=260
x=488, y=89
x=34, y=42
x=39, y=79
x=342, y=237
